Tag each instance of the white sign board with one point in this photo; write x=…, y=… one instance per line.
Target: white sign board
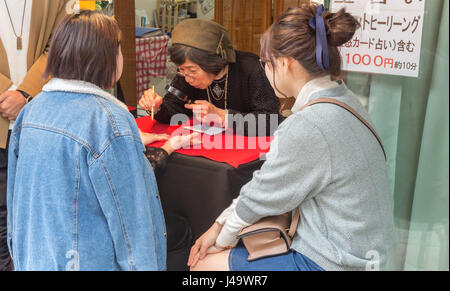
x=390, y=38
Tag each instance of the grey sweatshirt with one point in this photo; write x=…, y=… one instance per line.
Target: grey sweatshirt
x=325, y=163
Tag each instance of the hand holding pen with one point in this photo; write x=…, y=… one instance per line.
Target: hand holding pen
x=151, y=101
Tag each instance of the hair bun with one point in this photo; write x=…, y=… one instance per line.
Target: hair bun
x=341, y=27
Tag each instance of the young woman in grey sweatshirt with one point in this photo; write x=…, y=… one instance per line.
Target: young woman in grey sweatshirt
x=324, y=162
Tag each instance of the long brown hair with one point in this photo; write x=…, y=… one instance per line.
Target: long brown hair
x=292, y=36
x=85, y=47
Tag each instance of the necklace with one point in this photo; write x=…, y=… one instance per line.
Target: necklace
x=225, y=93
x=220, y=81
x=218, y=92
x=19, y=38
x=217, y=89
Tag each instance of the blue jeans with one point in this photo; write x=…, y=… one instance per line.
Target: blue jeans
x=292, y=261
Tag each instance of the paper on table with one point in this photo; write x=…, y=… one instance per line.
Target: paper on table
x=205, y=129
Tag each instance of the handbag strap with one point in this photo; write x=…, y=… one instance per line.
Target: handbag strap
x=296, y=218
x=349, y=109
x=294, y=224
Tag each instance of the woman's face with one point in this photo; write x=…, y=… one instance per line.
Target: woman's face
x=276, y=77
x=195, y=76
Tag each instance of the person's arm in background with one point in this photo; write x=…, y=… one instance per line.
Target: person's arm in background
x=12, y=101
x=127, y=192
x=5, y=83
x=33, y=82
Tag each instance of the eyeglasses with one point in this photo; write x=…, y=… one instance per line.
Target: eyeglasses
x=187, y=75
x=263, y=63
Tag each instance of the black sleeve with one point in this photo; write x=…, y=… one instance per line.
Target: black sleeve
x=263, y=103
x=157, y=157
x=172, y=105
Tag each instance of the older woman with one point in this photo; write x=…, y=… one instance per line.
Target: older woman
x=217, y=80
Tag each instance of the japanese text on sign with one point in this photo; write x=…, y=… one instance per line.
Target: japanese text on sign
x=389, y=40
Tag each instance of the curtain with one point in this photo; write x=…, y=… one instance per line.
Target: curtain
x=412, y=117
x=428, y=241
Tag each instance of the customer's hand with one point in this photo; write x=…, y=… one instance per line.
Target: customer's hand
x=149, y=138
x=150, y=100
x=11, y=103
x=205, y=245
x=182, y=141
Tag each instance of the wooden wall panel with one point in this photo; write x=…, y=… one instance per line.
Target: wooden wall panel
x=245, y=20
x=124, y=14
x=279, y=6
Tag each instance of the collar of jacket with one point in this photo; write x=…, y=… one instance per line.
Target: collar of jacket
x=81, y=87
x=312, y=87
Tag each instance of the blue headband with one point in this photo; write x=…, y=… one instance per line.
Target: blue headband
x=318, y=23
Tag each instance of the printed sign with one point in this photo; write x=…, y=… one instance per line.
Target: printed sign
x=390, y=38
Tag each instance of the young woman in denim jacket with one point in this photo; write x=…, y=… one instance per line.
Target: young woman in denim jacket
x=81, y=193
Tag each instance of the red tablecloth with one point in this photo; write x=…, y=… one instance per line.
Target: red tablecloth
x=225, y=148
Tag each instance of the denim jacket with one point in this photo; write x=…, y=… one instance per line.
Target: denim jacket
x=81, y=194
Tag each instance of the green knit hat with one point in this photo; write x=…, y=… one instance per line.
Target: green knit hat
x=205, y=35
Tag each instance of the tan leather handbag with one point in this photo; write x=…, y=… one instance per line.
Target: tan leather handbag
x=272, y=236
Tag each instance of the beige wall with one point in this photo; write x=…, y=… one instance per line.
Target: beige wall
x=150, y=6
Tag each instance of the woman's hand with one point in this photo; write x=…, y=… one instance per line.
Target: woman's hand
x=205, y=245
x=149, y=138
x=182, y=141
x=150, y=100
x=205, y=112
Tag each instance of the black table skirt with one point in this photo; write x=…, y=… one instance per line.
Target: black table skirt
x=199, y=189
